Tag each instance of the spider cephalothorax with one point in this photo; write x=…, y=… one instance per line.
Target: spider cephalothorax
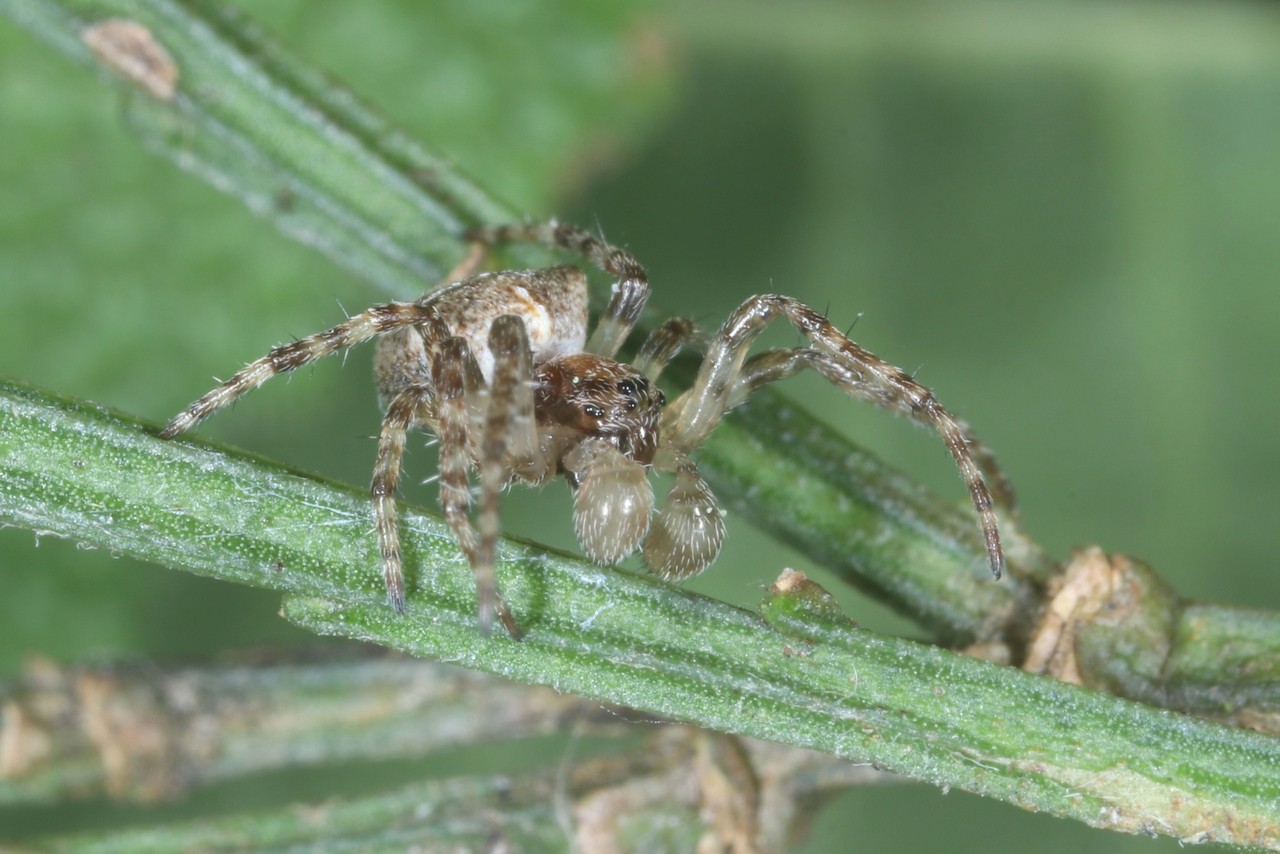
x=500, y=368
x=601, y=397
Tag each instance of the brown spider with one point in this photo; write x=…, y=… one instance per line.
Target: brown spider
x=500, y=367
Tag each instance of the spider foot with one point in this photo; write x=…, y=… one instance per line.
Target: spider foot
x=492, y=604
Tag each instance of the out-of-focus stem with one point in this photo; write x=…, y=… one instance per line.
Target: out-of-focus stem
x=682, y=790
x=143, y=733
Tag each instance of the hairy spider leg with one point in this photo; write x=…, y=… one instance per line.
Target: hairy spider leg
x=662, y=345
x=852, y=369
x=630, y=292
x=288, y=357
x=458, y=382
x=688, y=530
x=469, y=265
x=774, y=365
x=410, y=408
x=510, y=447
x=997, y=481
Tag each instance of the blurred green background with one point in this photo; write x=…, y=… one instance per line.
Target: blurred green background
x=1062, y=216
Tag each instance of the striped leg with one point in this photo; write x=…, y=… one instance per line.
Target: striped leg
x=849, y=367
x=662, y=345
x=288, y=357
x=510, y=447
x=456, y=382
x=408, y=409
x=774, y=365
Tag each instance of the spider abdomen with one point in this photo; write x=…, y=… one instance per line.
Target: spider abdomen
x=551, y=303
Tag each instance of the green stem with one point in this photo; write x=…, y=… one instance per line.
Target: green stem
x=1150, y=645
x=252, y=121
x=797, y=478
x=801, y=678
x=459, y=814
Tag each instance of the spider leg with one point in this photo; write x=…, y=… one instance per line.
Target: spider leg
x=468, y=266
x=774, y=365
x=510, y=446
x=288, y=357
x=630, y=292
x=458, y=385
x=662, y=345
x=408, y=409
x=854, y=370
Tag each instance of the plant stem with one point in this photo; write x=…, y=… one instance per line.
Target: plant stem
x=1137, y=638
x=254, y=122
x=678, y=788
x=72, y=732
x=801, y=678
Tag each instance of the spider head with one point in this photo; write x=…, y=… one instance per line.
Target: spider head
x=601, y=397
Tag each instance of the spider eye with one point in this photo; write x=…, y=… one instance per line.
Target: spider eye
x=627, y=387
x=593, y=410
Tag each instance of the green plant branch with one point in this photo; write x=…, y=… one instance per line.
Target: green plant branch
x=1129, y=633
x=455, y=814
x=252, y=121
x=797, y=676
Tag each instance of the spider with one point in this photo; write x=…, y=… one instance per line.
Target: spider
x=499, y=366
